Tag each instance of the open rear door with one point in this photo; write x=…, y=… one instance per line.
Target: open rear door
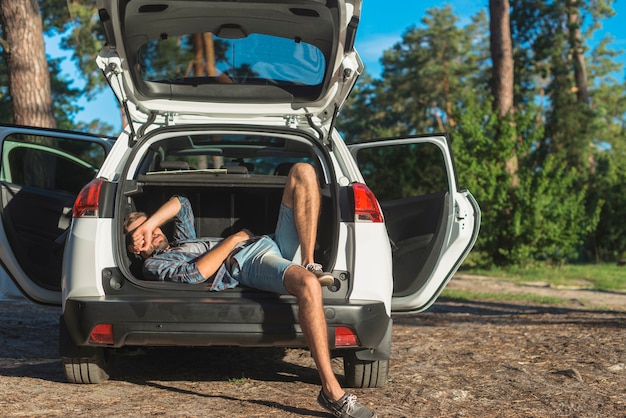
x=41, y=173
x=432, y=224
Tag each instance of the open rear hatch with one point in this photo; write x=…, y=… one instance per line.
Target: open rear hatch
x=172, y=59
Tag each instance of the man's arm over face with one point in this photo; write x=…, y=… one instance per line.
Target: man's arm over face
x=142, y=236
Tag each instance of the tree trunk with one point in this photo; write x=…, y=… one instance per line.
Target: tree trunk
x=198, y=55
x=578, y=57
x=209, y=54
x=502, y=56
x=502, y=77
x=29, y=76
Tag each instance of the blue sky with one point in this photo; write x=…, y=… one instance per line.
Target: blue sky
x=382, y=24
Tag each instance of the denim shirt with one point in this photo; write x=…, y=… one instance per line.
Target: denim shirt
x=178, y=263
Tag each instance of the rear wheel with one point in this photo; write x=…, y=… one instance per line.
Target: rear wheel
x=365, y=373
x=93, y=369
x=83, y=364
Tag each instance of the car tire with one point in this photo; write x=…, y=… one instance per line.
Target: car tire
x=364, y=373
x=88, y=370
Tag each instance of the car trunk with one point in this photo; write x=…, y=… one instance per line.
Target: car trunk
x=226, y=202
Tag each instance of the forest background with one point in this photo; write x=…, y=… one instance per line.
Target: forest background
x=535, y=114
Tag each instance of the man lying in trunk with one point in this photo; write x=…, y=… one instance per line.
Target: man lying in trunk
x=259, y=262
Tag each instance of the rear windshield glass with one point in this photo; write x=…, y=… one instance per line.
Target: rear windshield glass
x=254, y=154
x=255, y=59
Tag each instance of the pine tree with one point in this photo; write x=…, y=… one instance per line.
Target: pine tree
x=558, y=198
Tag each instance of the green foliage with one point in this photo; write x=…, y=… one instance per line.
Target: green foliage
x=430, y=71
x=545, y=43
x=608, y=240
x=239, y=380
x=481, y=162
x=550, y=221
x=96, y=127
x=541, y=176
x=537, y=213
x=82, y=33
x=361, y=118
x=64, y=97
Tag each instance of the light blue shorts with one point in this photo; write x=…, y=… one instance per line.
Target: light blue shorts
x=262, y=265
x=286, y=234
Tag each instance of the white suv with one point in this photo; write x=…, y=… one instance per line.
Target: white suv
x=223, y=97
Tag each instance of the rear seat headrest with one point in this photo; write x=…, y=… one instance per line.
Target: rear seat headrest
x=173, y=165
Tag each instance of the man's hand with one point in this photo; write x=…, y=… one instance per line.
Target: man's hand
x=147, y=239
x=142, y=238
x=241, y=236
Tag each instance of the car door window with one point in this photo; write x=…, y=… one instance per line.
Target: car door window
x=40, y=178
x=403, y=170
x=48, y=163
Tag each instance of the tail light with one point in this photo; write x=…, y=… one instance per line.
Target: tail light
x=366, y=207
x=102, y=334
x=87, y=201
x=346, y=337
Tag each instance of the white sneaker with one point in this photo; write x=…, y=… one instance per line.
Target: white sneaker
x=325, y=279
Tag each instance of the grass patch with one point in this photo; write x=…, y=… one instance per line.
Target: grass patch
x=527, y=298
x=593, y=276
x=239, y=380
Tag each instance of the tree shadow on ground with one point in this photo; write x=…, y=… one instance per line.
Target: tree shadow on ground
x=270, y=404
x=498, y=312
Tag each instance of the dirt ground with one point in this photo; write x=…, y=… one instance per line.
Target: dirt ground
x=459, y=359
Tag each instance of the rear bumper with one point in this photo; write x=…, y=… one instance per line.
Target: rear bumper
x=217, y=321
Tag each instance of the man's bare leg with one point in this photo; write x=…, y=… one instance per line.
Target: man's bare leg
x=302, y=193
x=304, y=286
